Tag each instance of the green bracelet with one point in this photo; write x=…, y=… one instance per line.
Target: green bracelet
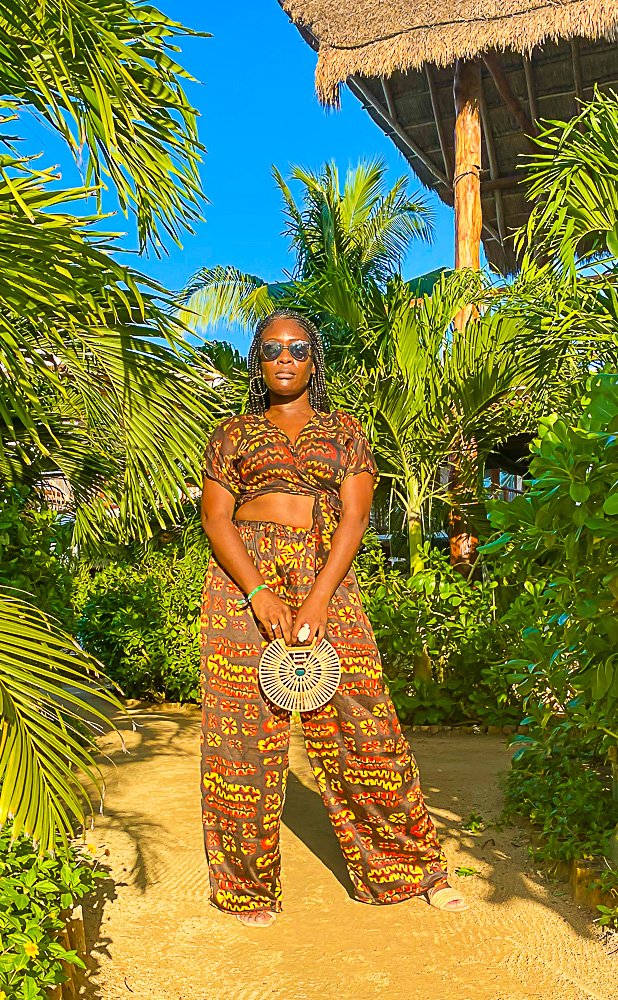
x=262, y=586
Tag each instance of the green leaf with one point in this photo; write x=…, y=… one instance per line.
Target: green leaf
x=99, y=72
x=612, y=242
x=496, y=544
x=579, y=492
x=610, y=505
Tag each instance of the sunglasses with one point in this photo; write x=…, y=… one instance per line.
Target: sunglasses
x=271, y=349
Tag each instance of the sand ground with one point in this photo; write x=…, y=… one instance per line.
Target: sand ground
x=153, y=935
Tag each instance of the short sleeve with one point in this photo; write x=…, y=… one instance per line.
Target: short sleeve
x=360, y=456
x=219, y=457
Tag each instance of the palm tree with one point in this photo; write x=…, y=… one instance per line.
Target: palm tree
x=425, y=389
x=361, y=229
x=96, y=378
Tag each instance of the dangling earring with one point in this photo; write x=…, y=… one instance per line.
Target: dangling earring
x=311, y=392
x=262, y=390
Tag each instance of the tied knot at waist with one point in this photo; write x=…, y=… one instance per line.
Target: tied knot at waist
x=326, y=511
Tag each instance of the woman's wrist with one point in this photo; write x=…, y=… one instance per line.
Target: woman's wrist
x=321, y=592
x=256, y=590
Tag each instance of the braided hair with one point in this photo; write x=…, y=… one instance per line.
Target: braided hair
x=258, y=392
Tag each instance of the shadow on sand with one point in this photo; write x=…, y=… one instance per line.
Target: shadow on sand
x=459, y=775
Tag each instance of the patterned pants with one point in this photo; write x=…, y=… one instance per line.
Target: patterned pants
x=362, y=764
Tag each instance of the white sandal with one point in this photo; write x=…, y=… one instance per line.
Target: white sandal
x=440, y=898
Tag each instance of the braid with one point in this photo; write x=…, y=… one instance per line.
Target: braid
x=258, y=393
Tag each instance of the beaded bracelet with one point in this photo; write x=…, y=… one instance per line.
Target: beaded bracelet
x=262, y=586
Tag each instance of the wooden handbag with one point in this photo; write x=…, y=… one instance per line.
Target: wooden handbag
x=299, y=678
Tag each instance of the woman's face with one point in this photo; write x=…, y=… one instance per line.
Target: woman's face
x=285, y=375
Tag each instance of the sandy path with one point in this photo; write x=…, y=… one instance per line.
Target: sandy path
x=156, y=936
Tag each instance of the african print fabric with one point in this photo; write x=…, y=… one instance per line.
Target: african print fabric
x=250, y=456
x=365, y=772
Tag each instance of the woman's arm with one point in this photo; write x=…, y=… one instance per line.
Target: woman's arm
x=356, y=495
x=217, y=509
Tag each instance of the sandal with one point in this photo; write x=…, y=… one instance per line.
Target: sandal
x=252, y=923
x=440, y=898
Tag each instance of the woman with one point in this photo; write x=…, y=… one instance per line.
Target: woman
x=287, y=494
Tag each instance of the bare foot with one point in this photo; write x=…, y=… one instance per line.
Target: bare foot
x=256, y=918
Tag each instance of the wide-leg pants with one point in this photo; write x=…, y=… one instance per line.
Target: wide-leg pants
x=363, y=766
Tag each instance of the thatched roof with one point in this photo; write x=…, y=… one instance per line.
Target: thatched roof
x=538, y=62
x=378, y=37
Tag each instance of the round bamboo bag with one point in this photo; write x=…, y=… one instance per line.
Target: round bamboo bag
x=299, y=678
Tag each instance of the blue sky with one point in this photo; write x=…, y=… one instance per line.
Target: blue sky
x=258, y=107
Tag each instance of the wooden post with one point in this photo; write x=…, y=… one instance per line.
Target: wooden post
x=468, y=226
x=467, y=179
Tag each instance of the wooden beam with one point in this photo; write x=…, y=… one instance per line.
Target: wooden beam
x=531, y=89
x=388, y=97
x=433, y=94
x=501, y=183
x=577, y=74
x=503, y=86
x=491, y=232
x=493, y=164
x=467, y=179
x=390, y=125
x=393, y=125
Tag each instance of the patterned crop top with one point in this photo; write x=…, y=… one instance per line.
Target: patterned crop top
x=250, y=456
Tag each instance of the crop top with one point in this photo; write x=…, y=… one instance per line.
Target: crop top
x=250, y=456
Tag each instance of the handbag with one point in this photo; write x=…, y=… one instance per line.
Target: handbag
x=299, y=678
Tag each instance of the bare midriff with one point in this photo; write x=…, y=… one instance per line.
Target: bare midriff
x=292, y=509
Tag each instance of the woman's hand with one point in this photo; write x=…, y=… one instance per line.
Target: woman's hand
x=312, y=612
x=274, y=614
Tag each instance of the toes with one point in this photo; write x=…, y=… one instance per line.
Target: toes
x=256, y=918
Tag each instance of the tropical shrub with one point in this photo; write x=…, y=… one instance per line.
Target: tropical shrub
x=440, y=641
x=563, y=786
x=47, y=739
x=35, y=554
x=559, y=541
x=140, y=617
x=35, y=892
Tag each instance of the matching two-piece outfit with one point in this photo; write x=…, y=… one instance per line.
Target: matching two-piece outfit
x=363, y=766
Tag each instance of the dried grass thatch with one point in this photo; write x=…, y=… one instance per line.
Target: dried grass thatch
x=373, y=38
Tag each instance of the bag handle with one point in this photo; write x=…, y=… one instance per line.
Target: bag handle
x=290, y=648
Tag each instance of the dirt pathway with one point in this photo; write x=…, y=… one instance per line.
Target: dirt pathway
x=158, y=939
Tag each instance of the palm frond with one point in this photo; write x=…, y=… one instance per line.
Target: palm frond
x=363, y=190
x=101, y=73
x=392, y=226
x=44, y=680
x=223, y=295
x=85, y=336
x=572, y=182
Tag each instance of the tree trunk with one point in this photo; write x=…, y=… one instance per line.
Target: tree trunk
x=415, y=529
x=613, y=844
x=468, y=226
x=463, y=540
x=422, y=667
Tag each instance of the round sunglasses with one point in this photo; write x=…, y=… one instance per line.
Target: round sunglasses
x=271, y=349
